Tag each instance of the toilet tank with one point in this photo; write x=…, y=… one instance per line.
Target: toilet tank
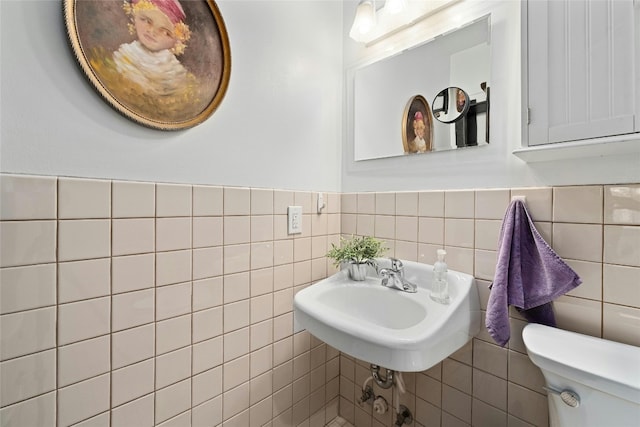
x=605, y=376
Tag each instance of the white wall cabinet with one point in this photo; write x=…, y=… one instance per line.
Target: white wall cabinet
x=580, y=70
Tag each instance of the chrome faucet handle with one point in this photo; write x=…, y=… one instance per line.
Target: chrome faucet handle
x=396, y=264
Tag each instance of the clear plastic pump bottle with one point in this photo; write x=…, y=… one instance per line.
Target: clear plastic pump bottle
x=440, y=291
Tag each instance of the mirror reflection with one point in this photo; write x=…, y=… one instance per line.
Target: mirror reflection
x=450, y=105
x=389, y=94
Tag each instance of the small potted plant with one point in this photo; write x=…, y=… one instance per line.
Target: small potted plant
x=357, y=253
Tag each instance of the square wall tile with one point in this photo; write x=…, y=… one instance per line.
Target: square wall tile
x=133, y=236
x=591, y=275
x=173, y=234
x=236, y=344
x=27, y=197
x=365, y=225
x=236, y=287
x=582, y=204
x=208, y=412
x=261, y=255
x=139, y=412
x=459, y=204
x=173, y=200
x=173, y=367
x=207, y=293
x=492, y=204
x=431, y=230
x=207, y=231
x=132, y=345
x=237, y=201
x=83, y=360
x=27, y=332
x=431, y=203
x=578, y=241
x=84, y=279
x=385, y=203
x=132, y=382
x=407, y=228
x=24, y=288
x=621, y=245
x=83, y=400
x=25, y=377
x=261, y=228
x=207, y=262
x=39, y=410
x=282, y=200
x=459, y=232
x=173, y=300
x=207, y=385
x=622, y=204
x=132, y=273
x=173, y=267
x=236, y=258
x=84, y=239
x=207, y=200
x=84, y=198
x=304, y=199
x=407, y=203
x=366, y=203
x=83, y=320
x=207, y=324
x=27, y=242
x=261, y=202
x=173, y=334
x=621, y=285
x=207, y=354
x=133, y=309
x=133, y=199
x=237, y=229
x=235, y=372
x=487, y=234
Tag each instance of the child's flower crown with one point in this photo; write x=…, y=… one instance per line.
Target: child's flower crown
x=173, y=11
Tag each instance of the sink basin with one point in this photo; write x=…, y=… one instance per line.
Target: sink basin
x=407, y=332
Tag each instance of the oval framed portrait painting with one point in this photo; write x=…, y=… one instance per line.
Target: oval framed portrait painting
x=162, y=63
x=417, y=126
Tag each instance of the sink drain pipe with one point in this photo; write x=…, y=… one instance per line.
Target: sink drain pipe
x=402, y=412
x=383, y=382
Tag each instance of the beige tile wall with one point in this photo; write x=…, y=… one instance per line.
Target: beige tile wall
x=596, y=229
x=134, y=303
x=142, y=304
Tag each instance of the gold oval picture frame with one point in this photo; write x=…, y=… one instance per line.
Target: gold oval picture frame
x=417, y=126
x=164, y=64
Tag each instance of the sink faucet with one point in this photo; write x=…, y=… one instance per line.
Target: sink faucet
x=394, y=277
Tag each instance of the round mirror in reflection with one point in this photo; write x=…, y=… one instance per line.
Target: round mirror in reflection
x=450, y=105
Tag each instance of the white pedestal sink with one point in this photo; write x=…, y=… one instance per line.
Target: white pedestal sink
x=402, y=331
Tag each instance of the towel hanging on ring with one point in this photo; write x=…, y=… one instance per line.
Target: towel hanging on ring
x=529, y=275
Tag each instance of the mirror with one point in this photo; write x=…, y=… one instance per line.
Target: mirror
x=450, y=105
x=388, y=93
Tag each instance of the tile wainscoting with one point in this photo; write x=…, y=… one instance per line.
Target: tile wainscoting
x=135, y=303
x=142, y=304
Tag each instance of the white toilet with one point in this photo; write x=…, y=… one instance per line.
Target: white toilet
x=591, y=382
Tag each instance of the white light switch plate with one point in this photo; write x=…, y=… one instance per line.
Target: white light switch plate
x=294, y=219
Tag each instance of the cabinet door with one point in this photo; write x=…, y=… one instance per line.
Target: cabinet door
x=581, y=69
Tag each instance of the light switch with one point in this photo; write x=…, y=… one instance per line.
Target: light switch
x=294, y=219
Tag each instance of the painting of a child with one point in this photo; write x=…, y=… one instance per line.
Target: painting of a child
x=158, y=59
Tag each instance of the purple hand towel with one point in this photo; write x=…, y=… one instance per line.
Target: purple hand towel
x=529, y=275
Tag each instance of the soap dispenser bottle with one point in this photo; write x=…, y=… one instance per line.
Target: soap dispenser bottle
x=440, y=291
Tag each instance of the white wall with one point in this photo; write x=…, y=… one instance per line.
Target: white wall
x=279, y=126
x=492, y=166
